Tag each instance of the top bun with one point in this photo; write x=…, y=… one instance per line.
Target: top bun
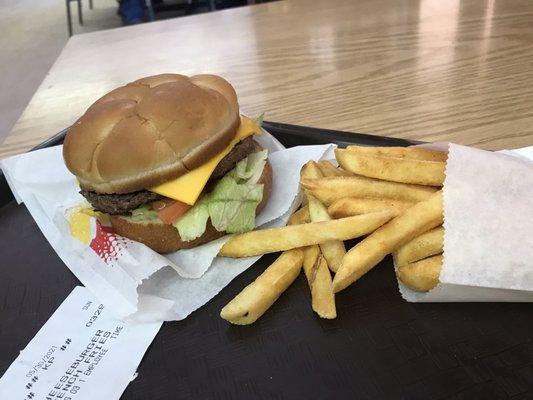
x=150, y=131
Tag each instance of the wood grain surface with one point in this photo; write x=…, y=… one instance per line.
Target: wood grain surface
x=431, y=70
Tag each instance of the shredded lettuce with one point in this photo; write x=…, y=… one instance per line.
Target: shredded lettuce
x=232, y=203
x=193, y=223
x=249, y=169
x=259, y=120
x=144, y=213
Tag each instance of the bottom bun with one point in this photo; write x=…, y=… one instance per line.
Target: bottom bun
x=165, y=238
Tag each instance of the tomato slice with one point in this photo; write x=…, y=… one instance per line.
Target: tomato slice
x=169, y=210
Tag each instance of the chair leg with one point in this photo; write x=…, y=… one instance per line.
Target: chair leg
x=69, y=19
x=150, y=9
x=91, y=4
x=212, y=5
x=80, y=16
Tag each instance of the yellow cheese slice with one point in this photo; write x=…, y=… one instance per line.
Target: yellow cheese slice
x=187, y=188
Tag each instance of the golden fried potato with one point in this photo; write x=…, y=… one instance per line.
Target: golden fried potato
x=300, y=217
x=271, y=240
x=334, y=250
x=328, y=190
x=416, y=220
x=423, y=246
x=357, y=205
x=319, y=279
x=328, y=169
x=257, y=297
x=421, y=276
x=404, y=170
x=310, y=170
x=414, y=153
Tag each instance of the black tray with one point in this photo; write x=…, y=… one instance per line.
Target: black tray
x=379, y=347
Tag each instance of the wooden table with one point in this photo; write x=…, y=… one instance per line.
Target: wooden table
x=432, y=70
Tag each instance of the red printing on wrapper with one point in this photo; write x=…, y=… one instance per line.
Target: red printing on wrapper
x=106, y=244
x=94, y=229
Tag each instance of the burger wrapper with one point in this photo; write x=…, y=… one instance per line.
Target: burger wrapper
x=133, y=281
x=488, y=228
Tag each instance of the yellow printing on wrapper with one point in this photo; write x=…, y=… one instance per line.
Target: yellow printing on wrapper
x=82, y=223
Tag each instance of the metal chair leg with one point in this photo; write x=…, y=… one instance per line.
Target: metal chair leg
x=212, y=5
x=150, y=8
x=80, y=16
x=69, y=19
x=91, y=4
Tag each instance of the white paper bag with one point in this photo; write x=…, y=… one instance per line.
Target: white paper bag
x=488, y=228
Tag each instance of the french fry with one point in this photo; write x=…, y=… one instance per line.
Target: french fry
x=355, y=206
x=367, y=253
x=317, y=273
x=300, y=217
x=402, y=170
x=328, y=190
x=310, y=170
x=257, y=297
x=271, y=240
x=315, y=267
x=334, y=250
x=421, y=276
x=328, y=169
x=319, y=279
x=414, y=153
x=427, y=244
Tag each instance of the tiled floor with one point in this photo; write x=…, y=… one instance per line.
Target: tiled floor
x=32, y=34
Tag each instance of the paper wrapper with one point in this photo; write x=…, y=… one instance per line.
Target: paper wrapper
x=488, y=228
x=135, y=282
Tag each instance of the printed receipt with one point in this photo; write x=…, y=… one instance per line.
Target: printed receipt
x=76, y=353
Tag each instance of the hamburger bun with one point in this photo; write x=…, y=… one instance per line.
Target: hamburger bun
x=165, y=238
x=151, y=131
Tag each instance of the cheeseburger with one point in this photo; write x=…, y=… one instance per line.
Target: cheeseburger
x=171, y=161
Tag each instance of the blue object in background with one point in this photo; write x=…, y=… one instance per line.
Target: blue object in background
x=132, y=11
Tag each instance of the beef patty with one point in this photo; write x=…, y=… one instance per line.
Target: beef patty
x=119, y=203
x=125, y=203
x=241, y=150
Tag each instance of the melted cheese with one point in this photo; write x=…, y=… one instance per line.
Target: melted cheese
x=187, y=188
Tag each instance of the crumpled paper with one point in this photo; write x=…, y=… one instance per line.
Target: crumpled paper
x=488, y=228
x=135, y=282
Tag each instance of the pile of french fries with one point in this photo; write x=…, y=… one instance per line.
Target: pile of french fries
x=390, y=195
